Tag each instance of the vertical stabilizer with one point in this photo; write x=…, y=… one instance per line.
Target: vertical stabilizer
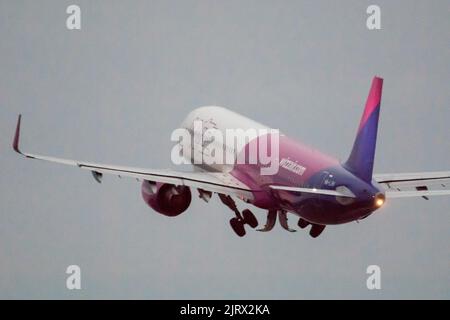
x=361, y=159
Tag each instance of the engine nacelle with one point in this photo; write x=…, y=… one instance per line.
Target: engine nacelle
x=167, y=199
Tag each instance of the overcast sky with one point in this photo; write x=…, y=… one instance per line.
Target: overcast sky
x=113, y=92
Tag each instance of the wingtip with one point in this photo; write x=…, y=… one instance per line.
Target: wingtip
x=17, y=135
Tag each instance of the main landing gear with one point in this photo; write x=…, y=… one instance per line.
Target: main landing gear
x=248, y=218
x=316, y=229
x=240, y=220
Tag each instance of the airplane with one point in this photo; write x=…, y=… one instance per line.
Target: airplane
x=324, y=191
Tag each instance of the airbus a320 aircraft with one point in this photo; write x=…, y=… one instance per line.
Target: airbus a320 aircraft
x=315, y=187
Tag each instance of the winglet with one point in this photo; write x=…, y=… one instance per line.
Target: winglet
x=17, y=135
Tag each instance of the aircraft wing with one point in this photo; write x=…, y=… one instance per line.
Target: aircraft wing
x=417, y=184
x=344, y=192
x=209, y=181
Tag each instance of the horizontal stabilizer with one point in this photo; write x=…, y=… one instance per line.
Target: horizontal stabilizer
x=415, y=184
x=408, y=194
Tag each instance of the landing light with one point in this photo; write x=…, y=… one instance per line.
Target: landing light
x=379, y=200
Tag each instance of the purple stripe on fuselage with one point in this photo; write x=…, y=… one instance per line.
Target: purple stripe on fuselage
x=312, y=160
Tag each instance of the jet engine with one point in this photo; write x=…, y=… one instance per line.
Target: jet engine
x=167, y=199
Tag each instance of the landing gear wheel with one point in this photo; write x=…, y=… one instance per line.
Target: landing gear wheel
x=249, y=218
x=302, y=223
x=316, y=230
x=238, y=226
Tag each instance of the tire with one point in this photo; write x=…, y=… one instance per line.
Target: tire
x=302, y=223
x=238, y=227
x=316, y=230
x=249, y=218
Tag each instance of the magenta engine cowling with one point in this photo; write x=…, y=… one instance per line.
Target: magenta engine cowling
x=165, y=198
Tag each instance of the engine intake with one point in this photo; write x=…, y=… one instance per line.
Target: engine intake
x=167, y=199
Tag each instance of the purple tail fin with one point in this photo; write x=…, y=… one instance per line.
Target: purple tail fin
x=361, y=159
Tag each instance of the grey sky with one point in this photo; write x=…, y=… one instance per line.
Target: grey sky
x=115, y=90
